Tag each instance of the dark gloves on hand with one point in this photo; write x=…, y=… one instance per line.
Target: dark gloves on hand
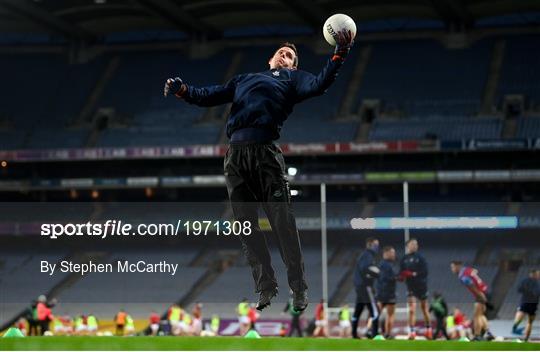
x=174, y=86
x=344, y=42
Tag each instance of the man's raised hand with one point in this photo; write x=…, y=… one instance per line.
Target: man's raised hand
x=344, y=42
x=174, y=86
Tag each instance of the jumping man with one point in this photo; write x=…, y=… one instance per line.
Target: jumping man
x=254, y=166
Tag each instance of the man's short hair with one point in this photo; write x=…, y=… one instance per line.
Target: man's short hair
x=456, y=262
x=534, y=271
x=411, y=240
x=387, y=249
x=293, y=47
x=370, y=240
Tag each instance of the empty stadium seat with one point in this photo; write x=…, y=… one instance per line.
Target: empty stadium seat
x=423, y=79
x=520, y=71
x=452, y=129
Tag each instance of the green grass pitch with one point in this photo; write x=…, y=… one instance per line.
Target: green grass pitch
x=236, y=343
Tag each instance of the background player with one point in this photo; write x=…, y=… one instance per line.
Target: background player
x=295, y=325
x=254, y=166
x=365, y=274
x=460, y=326
x=386, y=288
x=321, y=328
x=344, y=317
x=468, y=276
x=154, y=321
x=440, y=310
x=414, y=270
x=530, y=293
x=242, y=311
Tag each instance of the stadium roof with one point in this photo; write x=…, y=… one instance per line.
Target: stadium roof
x=90, y=20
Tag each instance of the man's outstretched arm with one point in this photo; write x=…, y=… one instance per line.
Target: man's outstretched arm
x=205, y=96
x=309, y=85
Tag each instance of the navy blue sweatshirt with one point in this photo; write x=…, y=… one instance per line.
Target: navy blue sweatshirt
x=417, y=263
x=386, y=282
x=361, y=273
x=263, y=101
x=530, y=290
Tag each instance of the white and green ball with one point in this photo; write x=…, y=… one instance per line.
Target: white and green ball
x=335, y=24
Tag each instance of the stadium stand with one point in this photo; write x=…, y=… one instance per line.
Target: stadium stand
x=528, y=127
x=90, y=74
x=520, y=73
x=46, y=213
x=511, y=301
x=428, y=87
x=45, y=119
x=164, y=213
x=154, y=119
x=385, y=130
x=21, y=282
x=144, y=118
x=11, y=139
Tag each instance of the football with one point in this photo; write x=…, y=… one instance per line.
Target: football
x=335, y=24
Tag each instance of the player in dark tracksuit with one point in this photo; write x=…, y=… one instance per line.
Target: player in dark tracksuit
x=414, y=270
x=365, y=274
x=295, y=320
x=254, y=166
x=386, y=288
x=440, y=310
x=529, y=288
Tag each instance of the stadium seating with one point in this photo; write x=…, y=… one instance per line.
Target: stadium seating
x=12, y=139
x=420, y=77
x=21, y=280
x=43, y=138
x=46, y=212
x=384, y=130
x=520, y=72
x=528, y=127
x=436, y=96
x=39, y=120
x=162, y=213
x=156, y=120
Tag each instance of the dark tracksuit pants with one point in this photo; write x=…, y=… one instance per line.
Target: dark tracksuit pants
x=365, y=297
x=441, y=327
x=33, y=327
x=255, y=175
x=44, y=324
x=295, y=326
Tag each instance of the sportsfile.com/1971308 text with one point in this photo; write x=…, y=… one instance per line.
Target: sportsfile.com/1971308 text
x=108, y=228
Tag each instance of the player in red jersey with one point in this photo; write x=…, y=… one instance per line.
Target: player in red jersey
x=196, y=313
x=154, y=323
x=320, y=321
x=468, y=276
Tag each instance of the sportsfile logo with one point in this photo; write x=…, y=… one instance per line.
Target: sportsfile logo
x=108, y=228
x=119, y=228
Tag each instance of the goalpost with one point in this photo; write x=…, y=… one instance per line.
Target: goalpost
x=334, y=311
